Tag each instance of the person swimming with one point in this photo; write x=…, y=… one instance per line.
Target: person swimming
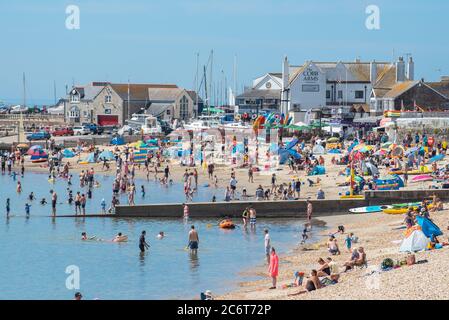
x=43, y=201
x=84, y=237
x=120, y=238
x=161, y=235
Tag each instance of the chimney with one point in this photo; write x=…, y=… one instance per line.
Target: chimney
x=373, y=72
x=400, y=70
x=411, y=69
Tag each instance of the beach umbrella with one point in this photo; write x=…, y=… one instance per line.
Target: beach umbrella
x=358, y=147
x=380, y=152
x=366, y=149
x=67, y=153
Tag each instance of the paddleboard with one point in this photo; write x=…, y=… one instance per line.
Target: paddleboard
x=369, y=209
x=353, y=197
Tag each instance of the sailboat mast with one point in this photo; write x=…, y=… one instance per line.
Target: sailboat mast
x=205, y=89
x=24, y=91
x=210, y=76
x=196, y=81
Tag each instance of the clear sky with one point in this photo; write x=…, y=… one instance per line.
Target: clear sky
x=157, y=41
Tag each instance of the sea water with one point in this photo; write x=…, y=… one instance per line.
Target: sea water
x=37, y=251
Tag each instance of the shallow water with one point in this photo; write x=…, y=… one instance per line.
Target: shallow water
x=35, y=252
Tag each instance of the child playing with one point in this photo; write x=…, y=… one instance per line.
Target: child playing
x=103, y=206
x=348, y=242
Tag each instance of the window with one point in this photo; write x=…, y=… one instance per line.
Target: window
x=184, y=108
x=74, y=112
x=74, y=98
x=340, y=94
x=358, y=94
x=107, y=99
x=107, y=111
x=310, y=88
x=85, y=113
x=168, y=112
x=328, y=94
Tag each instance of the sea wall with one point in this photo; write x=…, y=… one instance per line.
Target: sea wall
x=265, y=209
x=278, y=209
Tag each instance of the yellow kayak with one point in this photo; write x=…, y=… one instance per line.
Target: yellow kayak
x=358, y=196
x=411, y=172
x=400, y=210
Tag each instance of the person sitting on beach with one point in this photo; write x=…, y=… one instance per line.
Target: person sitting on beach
x=333, y=246
x=323, y=270
x=333, y=266
x=358, y=259
x=260, y=193
x=313, y=283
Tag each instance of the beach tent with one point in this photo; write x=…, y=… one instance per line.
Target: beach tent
x=106, y=155
x=416, y=241
x=118, y=141
x=152, y=141
x=334, y=151
x=67, y=153
x=90, y=158
x=428, y=227
x=38, y=154
x=372, y=169
x=391, y=182
x=318, y=149
x=317, y=171
x=34, y=148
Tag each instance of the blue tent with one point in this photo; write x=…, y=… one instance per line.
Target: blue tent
x=392, y=182
x=428, y=227
x=317, y=171
x=118, y=141
x=106, y=155
x=90, y=158
x=67, y=153
x=334, y=151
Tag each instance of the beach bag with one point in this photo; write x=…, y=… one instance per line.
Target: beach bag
x=387, y=264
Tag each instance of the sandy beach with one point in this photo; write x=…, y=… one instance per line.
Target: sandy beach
x=375, y=231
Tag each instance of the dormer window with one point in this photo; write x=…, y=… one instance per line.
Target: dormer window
x=74, y=96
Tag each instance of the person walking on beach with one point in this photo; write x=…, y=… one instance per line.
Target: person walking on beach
x=54, y=199
x=309, y=210
x=143, y=243
x=233, y=186
x=267, y=245
x=273, y=268
x=250, y=174
x=193, y=240
x=8, y=207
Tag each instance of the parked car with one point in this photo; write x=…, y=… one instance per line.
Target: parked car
x=80, y=130
x=92, y=127
x=62, y=132
x=42, y=135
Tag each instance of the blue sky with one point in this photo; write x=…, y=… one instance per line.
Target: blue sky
x=157, y=41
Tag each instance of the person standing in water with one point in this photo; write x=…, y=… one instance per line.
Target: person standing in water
x=27, y=209
x=54, y=199
x=8, y=207
x=267, y=245
x=186, y=211
x=143, y=243
x=252, y=217
x=103, y=206
x=193, y=240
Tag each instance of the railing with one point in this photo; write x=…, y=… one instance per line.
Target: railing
x=32, y=117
